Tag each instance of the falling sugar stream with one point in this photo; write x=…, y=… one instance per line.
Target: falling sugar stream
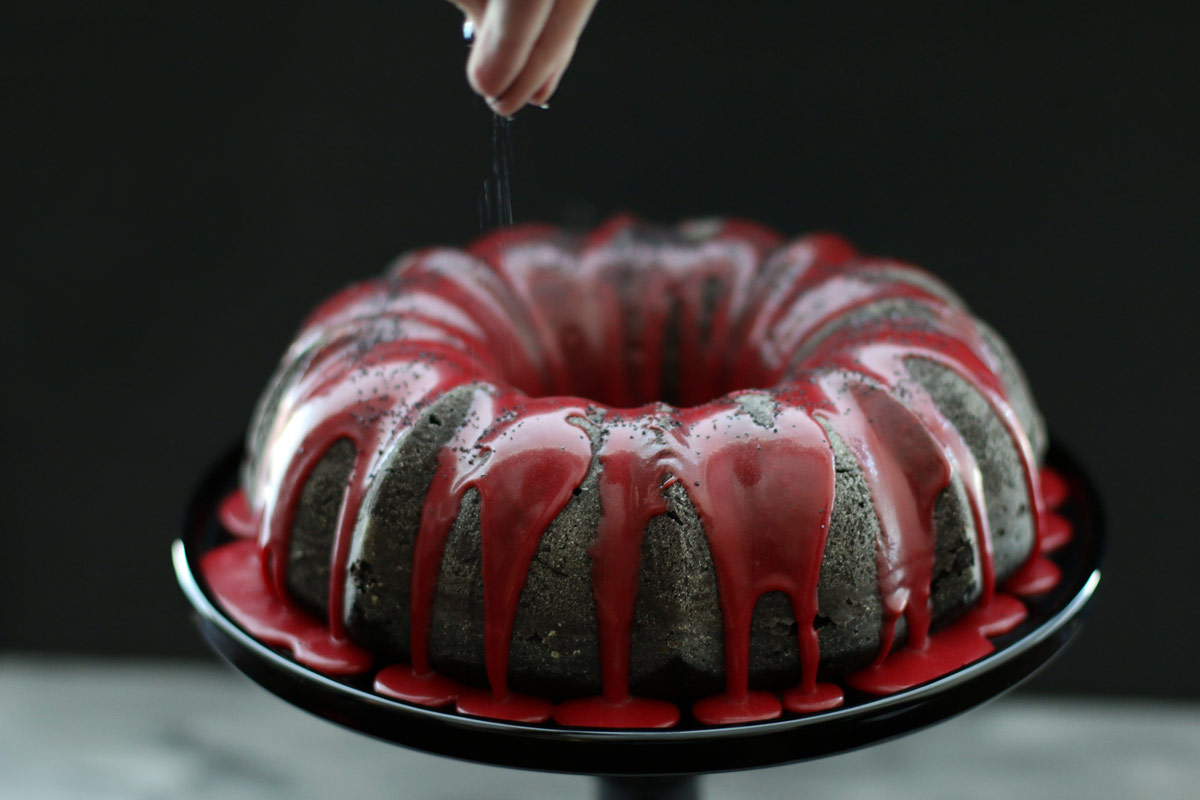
x=495, y=210
x=497, y=190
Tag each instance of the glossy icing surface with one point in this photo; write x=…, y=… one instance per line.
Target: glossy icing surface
x=562, y=336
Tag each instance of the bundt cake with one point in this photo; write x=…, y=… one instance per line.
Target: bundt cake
x=604, y=478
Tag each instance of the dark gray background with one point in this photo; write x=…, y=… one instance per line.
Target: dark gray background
x=186, y=181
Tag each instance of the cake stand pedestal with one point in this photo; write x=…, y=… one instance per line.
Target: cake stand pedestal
x=653, y=763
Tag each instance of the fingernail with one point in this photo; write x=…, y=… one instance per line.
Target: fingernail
x=468, y=29
x=544, y=106
x=492, y=101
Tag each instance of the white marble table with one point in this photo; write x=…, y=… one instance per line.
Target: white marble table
x=140, y=729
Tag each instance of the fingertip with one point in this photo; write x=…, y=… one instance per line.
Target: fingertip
x=505, y=107
x=510, y=102
x=504, y=38
x=499, y=108
x=542, y=96
x=484, y=76
x=535, y=85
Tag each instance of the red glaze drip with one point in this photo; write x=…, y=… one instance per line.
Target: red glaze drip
x=1054, y=489
x=1035, y=577
x=1056, y=532
x=634, y=462
x=785, y=277
x=727, y=709
x=765, y=497
x=234, y=573
x=906, y=471
x=528, y=480
x=235, y=515
x=530, y=311
x=632, y=712
x=950, y=648
x=511, y=707
x=821, y=697
x=356, y=491
x=525, y=470
x=442, y=501
x=423, y=688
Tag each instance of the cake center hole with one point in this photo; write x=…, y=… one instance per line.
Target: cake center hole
x=676, y=347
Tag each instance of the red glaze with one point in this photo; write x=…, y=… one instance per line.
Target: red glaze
x=534, y=320
x=727, y=709
x=510, y=706
x=234, y=574
x=235, y=515
x=821, y=697
x=525, y=474
x=525, y=483
x=630, y=487
x=630, y=712
x=423, y=688
x=765, y=497
x=1054, y=489
x=906, y=471
x=1056, y=532
x=945, y=651
x=1035, y=577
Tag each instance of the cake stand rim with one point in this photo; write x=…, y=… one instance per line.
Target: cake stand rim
x=240, y=647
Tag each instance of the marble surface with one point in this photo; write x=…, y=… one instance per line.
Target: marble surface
x=141, y=729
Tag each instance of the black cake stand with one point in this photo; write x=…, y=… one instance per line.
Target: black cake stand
x=654, y=763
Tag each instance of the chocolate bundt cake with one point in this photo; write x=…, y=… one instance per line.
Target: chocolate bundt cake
x=600, y=477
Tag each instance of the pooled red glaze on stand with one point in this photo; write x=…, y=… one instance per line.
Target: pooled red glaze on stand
x=235, y=515
x=737, y=709
x=1056, y=532
x=1035, y=577
x=821, y=697
x=533, y=319
x=234, y=573
x=952, y=647
x=509, y=706
x=422, y=688
x=630, y=712
x=1054, y=489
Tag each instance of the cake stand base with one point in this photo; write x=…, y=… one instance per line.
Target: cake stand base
x=668, y=787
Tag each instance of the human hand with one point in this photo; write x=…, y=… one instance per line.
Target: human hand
x=522, y=48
